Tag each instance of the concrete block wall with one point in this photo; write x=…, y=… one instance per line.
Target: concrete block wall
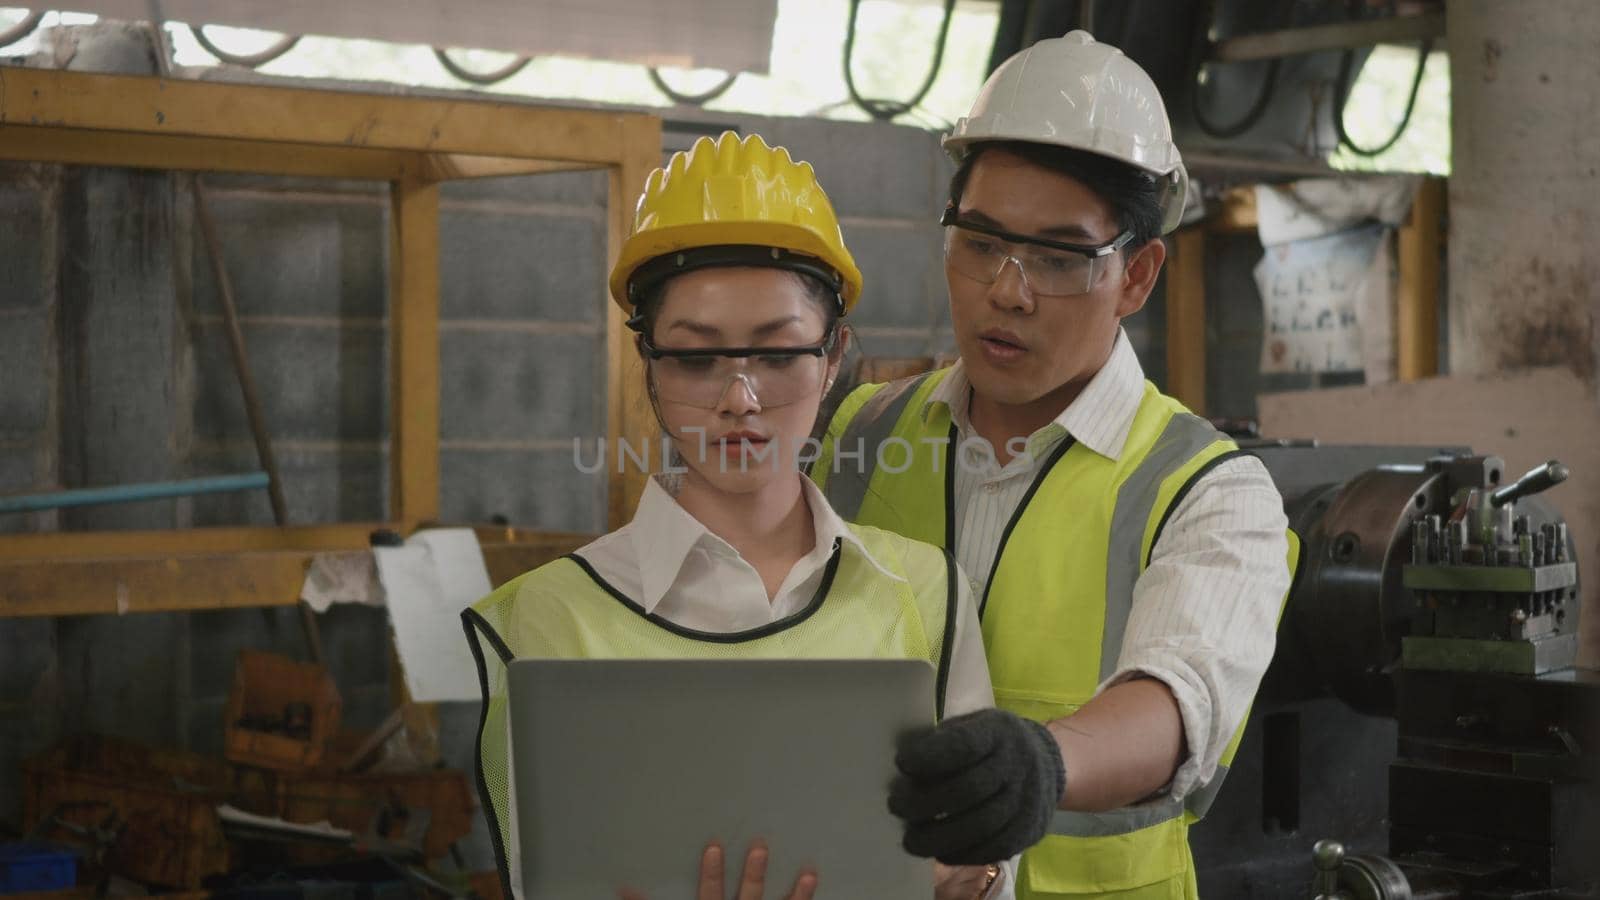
x=523, y=363
x=29, y=202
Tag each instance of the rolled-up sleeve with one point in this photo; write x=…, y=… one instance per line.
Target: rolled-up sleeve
x=1205, y=611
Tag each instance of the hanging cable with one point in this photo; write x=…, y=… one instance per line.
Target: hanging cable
x=482, y=78
x=881, y=109
x=250, y=60
x=931, y=120
x=1269, y=84
x=22, y=29
x=700, y=99
x=1341, y=88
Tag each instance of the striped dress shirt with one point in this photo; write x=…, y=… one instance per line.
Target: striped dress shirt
x=1205, y=611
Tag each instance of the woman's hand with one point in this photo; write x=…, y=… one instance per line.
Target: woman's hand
x=958, y=882
x=752, y=879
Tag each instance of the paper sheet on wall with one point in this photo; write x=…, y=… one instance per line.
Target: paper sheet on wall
x=1313, y=292
x=427, y=583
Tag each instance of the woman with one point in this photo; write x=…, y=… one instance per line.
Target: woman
x=735, y=278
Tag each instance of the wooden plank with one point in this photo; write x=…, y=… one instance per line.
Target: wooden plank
x=226, y=577
x=149, y=105
x=414, y=353
x=1338, y=36
x=450, y=166
x=70, y=545
x=1237, y=212
x=1524, y=417
x=153, y=584
x=1417, y=312
x=628, y=413
x=506, y=561
x=1186, y=320
x=19, y=143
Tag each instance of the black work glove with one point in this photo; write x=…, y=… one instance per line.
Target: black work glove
x=977, y=788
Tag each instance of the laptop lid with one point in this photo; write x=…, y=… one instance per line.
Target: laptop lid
x=623, y=770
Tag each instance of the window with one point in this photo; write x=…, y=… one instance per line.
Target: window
x=1377, y=104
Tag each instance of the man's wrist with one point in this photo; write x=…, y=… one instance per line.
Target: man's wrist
x=992, y=879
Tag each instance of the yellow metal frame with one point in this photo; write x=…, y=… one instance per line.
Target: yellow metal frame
x=1416, y=316
x=414, y=144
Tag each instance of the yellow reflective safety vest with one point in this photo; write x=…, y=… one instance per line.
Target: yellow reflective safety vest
x=566, y=610
x=1058, y=598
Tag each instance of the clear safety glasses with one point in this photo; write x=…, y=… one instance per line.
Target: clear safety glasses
x=775, y=376
x=1049, y=268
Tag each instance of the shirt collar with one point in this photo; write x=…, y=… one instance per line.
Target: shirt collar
x=830, y=527
x=1099, y=418
x=664, y=534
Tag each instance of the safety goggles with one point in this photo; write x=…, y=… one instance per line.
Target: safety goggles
x=1049, y=268
x=774, y=376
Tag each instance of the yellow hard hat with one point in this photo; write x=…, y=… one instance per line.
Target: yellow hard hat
x=733, y=202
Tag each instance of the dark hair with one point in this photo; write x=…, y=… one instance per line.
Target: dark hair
x=1133, y=195
x=649, y=306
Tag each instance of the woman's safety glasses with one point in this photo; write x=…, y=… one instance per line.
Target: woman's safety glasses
x=1049, y=268
x=774, y=376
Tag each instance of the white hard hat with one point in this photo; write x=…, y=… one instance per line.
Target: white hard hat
x=1076, y=92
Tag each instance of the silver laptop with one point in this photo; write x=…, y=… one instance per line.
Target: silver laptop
x=624, y=769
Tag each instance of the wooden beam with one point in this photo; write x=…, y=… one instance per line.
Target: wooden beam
x=228, y=579
x=147, y=105
x=628, y=414
x=153, y=584
x=1419, y=257
x=1237, y=212
x=414, y=352
x=451, y=166
x=1339, y=36
x=64, y=546
x=1186, y=320
x=506, y=561
x=345, y=536
x=82, y=147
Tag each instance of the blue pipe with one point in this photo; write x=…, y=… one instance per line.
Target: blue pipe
x=132, y=493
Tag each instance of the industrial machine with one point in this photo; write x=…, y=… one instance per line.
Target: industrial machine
x=1422, y=717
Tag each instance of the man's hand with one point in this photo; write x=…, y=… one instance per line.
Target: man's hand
x=958, y=882
x=977, y=788
x=752, y=879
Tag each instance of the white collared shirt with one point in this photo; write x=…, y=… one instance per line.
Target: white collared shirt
x=670, y=564
x=1205, y=611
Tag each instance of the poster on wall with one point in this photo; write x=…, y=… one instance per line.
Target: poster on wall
x=1315, y=292
x=1328, y=278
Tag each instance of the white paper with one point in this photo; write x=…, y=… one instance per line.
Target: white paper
x=427, y=583
x=349, y=577
x=1318, y=207
x=1313, y=292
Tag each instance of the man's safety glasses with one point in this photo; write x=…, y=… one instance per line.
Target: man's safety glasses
x=1049, y=268
x=775, y=376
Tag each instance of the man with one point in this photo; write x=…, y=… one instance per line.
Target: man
x=1131, y=562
